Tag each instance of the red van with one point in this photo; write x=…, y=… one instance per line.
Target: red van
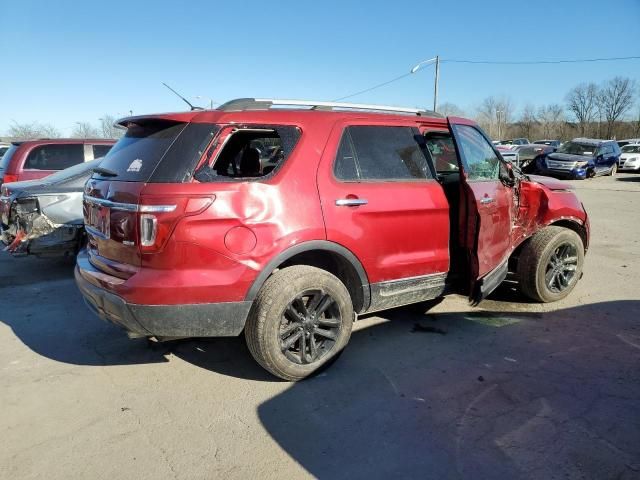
x=34, y=159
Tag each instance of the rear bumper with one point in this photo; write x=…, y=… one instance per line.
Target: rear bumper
x=225, y=319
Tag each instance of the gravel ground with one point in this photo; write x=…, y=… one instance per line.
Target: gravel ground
x=507, y=390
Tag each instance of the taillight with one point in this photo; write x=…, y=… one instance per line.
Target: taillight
x=158, y=220
x=9, y=178
x=148, y=229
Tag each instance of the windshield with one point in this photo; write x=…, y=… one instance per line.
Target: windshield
x=631, y=149
x=574, y=148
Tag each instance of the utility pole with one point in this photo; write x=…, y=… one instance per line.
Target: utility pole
x=433, y=60
x=435, y=87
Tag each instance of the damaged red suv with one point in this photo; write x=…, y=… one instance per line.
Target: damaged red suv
x=286, y=219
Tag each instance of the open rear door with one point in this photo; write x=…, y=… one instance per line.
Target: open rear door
x=486, y=209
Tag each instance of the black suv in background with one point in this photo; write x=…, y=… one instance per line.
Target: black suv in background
x=582, y=158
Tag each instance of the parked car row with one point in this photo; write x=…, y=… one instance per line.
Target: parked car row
x=285, y=220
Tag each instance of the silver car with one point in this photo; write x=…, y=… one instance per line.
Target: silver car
x=44, y=217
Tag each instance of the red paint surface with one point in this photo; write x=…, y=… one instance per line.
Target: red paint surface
x=402, y=232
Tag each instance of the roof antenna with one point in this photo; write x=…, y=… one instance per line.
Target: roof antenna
x=183, y=99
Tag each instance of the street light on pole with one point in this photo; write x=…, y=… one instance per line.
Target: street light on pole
x=498, y=115
x=430, y=61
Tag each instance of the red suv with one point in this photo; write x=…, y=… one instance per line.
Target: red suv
x=34, y=159
x=285, y=219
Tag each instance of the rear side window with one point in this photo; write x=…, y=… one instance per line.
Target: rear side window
x=381, y=153
x=54, y=157
x=250, y=152
x=158, y=151
x=100, y=151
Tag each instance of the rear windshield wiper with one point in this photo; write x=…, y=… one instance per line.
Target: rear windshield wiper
x=105, y=172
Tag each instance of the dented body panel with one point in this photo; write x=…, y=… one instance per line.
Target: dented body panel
x=44, y=217
x=544, y=201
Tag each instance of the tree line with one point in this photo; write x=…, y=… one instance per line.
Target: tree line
x=104, y=128
x=608, y=110
x=589, y=110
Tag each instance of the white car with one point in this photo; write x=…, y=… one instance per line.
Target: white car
x=628, y=141
x=630, y=158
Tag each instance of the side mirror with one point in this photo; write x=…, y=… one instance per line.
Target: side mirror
x=506, y=174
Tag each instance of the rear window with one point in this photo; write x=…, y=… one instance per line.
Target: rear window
x=6, y=158
x=54, y=157
x=158, y=151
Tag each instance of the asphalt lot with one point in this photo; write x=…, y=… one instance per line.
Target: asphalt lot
x=508, y=390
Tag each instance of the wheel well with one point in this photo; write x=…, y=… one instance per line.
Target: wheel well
x=335, y=264
x=570, y=224
x=576, y=227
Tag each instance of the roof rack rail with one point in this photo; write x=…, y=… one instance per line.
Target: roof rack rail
x=243, y=104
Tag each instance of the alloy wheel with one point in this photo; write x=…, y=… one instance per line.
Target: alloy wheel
x=309, y=327
x=561, y=268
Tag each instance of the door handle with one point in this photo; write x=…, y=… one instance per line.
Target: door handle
x=351, y=202
x=486, y=200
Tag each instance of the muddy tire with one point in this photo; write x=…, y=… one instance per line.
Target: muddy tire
x=300, y=320
x=550, y=264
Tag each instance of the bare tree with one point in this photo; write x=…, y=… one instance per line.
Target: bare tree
x=528, y=120
x=26, y=131
x=552, y=120
x=581, y=101
x=108, y=128
x=494, y=114
x=84, y=130
x=615, y=99
x=449, y=109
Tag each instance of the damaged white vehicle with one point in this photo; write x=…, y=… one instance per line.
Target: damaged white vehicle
x=44, y=217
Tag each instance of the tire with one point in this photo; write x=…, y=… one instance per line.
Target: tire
x=547, y=261
x=614, y=170
x=280, y=312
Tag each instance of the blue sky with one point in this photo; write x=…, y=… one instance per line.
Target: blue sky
x=69, y=61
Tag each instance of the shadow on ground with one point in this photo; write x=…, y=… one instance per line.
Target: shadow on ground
x=500, y=395
x=628, y=179
x=488, y=394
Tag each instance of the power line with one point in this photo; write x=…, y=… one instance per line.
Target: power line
x=540, y=62
x=495, y=62
x=374, y=87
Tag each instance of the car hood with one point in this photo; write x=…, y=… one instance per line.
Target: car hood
x=626, y=156
x=550, y=183
x=567, y=157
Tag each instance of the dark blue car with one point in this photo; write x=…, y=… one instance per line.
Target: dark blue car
x=582, y=158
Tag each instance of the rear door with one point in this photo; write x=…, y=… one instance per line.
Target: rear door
x=486, y=215
x=380, y=200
